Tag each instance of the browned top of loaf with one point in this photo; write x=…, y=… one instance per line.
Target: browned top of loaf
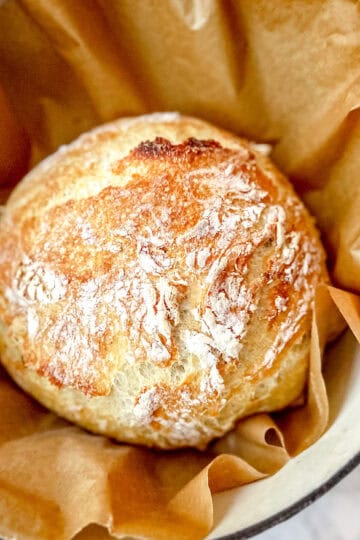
x=187, y=246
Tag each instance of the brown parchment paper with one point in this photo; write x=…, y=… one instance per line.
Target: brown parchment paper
x=281, y=72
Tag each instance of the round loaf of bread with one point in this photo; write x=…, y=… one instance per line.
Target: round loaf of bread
x=157, y=279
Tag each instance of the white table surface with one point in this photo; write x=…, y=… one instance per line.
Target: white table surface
x=335, y=516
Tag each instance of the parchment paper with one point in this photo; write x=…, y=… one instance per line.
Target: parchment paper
x=278, y=72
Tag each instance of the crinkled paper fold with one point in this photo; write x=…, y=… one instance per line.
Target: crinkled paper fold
x=283, y=73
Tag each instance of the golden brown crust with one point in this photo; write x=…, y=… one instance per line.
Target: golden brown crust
x=171, y=253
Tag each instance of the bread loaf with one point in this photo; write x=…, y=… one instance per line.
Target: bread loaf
x=157, y=279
